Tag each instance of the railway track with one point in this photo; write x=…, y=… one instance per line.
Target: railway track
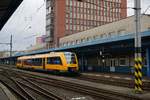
x=96, y=93
x=112, y=81
x=25, y=89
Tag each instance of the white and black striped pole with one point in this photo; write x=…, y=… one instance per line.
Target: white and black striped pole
x=138, y=57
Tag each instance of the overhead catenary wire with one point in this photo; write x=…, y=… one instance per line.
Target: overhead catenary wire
x=28, y=24
x=32, y=17
x=146, y=9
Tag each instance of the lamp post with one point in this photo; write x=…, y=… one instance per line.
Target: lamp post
x=138, y=57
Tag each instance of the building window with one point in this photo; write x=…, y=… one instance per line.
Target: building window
x=71, y=14
x=67, y=20
x=121, y=32
x=67, y=27
x=48, y=22
x=122, y=62
x=48, y=10
x=70, y=27
x=84, y=39
x=47, y=32
x=111, y=34
x=87, y=39
x=71, y=2
x=74, y=27
x=67, y=2
x=67, y=15
x=104, y=35
x=70, y=21
x=148, y=28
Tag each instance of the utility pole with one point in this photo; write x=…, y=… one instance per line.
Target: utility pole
x=11, y=45
x=138, y=50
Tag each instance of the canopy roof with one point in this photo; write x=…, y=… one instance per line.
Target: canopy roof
x=7, y=8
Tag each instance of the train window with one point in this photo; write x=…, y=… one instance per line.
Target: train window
x=70, y=57
x=19, y=61
x=28, y=62
x=37, y=62
x=54, y=60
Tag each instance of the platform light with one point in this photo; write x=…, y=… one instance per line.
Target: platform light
x=103, y=60
x=100, y=53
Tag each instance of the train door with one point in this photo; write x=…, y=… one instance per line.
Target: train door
x=43, y=63
x=112, y=65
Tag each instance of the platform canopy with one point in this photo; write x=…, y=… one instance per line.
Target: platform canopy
x=7, y=8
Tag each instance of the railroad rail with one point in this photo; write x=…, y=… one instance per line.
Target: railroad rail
x=112, y=81
x=96, y=93
x=25, y=89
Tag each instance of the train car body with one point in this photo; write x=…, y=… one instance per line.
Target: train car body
x=54, y=61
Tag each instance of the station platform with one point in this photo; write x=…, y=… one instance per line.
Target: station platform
x=117, y=89
x=5, y=94
x=115, y=76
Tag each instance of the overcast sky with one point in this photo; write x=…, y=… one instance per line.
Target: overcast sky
x=26, y=22
x=29, y=20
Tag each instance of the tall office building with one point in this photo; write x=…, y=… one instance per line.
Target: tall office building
x=65, y=17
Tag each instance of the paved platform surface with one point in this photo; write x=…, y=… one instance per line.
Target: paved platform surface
x=116, y=76
x=5, y=94
x=123, y=90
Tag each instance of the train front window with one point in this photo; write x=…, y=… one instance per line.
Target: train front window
x=70, y=57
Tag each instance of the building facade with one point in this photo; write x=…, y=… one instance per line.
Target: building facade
x=40, y=44
x=66, y=17
x=122, y=27
x=110, y=47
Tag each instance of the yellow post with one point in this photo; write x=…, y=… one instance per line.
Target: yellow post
x=138, y=75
